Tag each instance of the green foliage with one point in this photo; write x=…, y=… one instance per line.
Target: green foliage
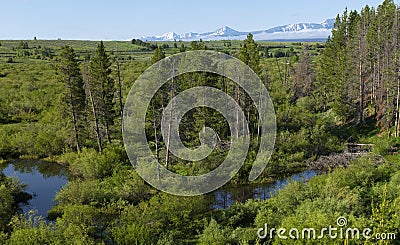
x=158, y=55
x=384, y=145
x=139, y=42
x=11, y=195
x=158, y=219
x=74, y=97
x=133, y=234
x=249, y=54
x=102, y=91
x=33, y=230
x=198, y=45
x=319, y=101
x=89, y=164
x=23, y=45
x=357, y=62
x=240, y=215
x=385, y=215
x=214, y=234
x=6, y=210
x=123, y=185
x=317, y=204
x=182, y=48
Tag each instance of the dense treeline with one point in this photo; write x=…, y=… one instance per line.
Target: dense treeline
x=359, y=73
x=144, y=44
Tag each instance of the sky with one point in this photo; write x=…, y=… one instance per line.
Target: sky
x=127, y=19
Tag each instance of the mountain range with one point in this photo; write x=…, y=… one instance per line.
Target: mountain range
x=300, y=31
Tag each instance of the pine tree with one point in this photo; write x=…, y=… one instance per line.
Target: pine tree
x=334, y=90
x=359, y=67
x=250, y=55
x=360, y=64
x=103, y=89
x=157, y=55
x=197, y=45
x=182, y=48
x=75, y=97
x=386, y=77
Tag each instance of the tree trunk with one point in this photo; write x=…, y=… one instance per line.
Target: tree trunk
x=237, y=112
x=74, y=121
x=397, y=108
x=96, y=120
x=361, y=112
x=108, y=132
x=396, y=50
x=121, y=106
x=95, y=117
x=169, y=126
x=156, y=142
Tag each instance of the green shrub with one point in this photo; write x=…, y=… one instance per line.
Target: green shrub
x=133, y=234
x=124, y=184
x=214, y=234
x=90, y=164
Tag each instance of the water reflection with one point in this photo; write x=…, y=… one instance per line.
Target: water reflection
x=227, y=196
x=43, y=179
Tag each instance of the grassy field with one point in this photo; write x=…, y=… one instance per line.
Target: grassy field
x=124, y=49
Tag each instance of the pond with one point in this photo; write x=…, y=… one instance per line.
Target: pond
x=43, y=179
x=228, y=195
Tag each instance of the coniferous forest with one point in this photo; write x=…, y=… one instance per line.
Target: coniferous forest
x=337, y=106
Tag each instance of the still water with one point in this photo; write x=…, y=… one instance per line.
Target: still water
x=43, y=179
x=227, y=196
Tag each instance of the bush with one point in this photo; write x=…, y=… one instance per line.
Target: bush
x=33, y=230
x=125, y=184
x=384, y=145
x=11, y=195
x=6, y=208
x=133, y=234
x=89, y=164
x=214, y=234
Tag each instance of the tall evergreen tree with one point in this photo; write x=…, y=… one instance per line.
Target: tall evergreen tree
x=182, y=48
x=250, y=55
x=334, y=91
x=103, y=89
x=75, y=97
x=385, y=92
x=157, y=55
x=358, y=72
x=360, y=64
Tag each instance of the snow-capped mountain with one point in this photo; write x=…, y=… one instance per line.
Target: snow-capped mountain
x=291, y=31
x=224, y=32
x=170, y=36
x=328, y=23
